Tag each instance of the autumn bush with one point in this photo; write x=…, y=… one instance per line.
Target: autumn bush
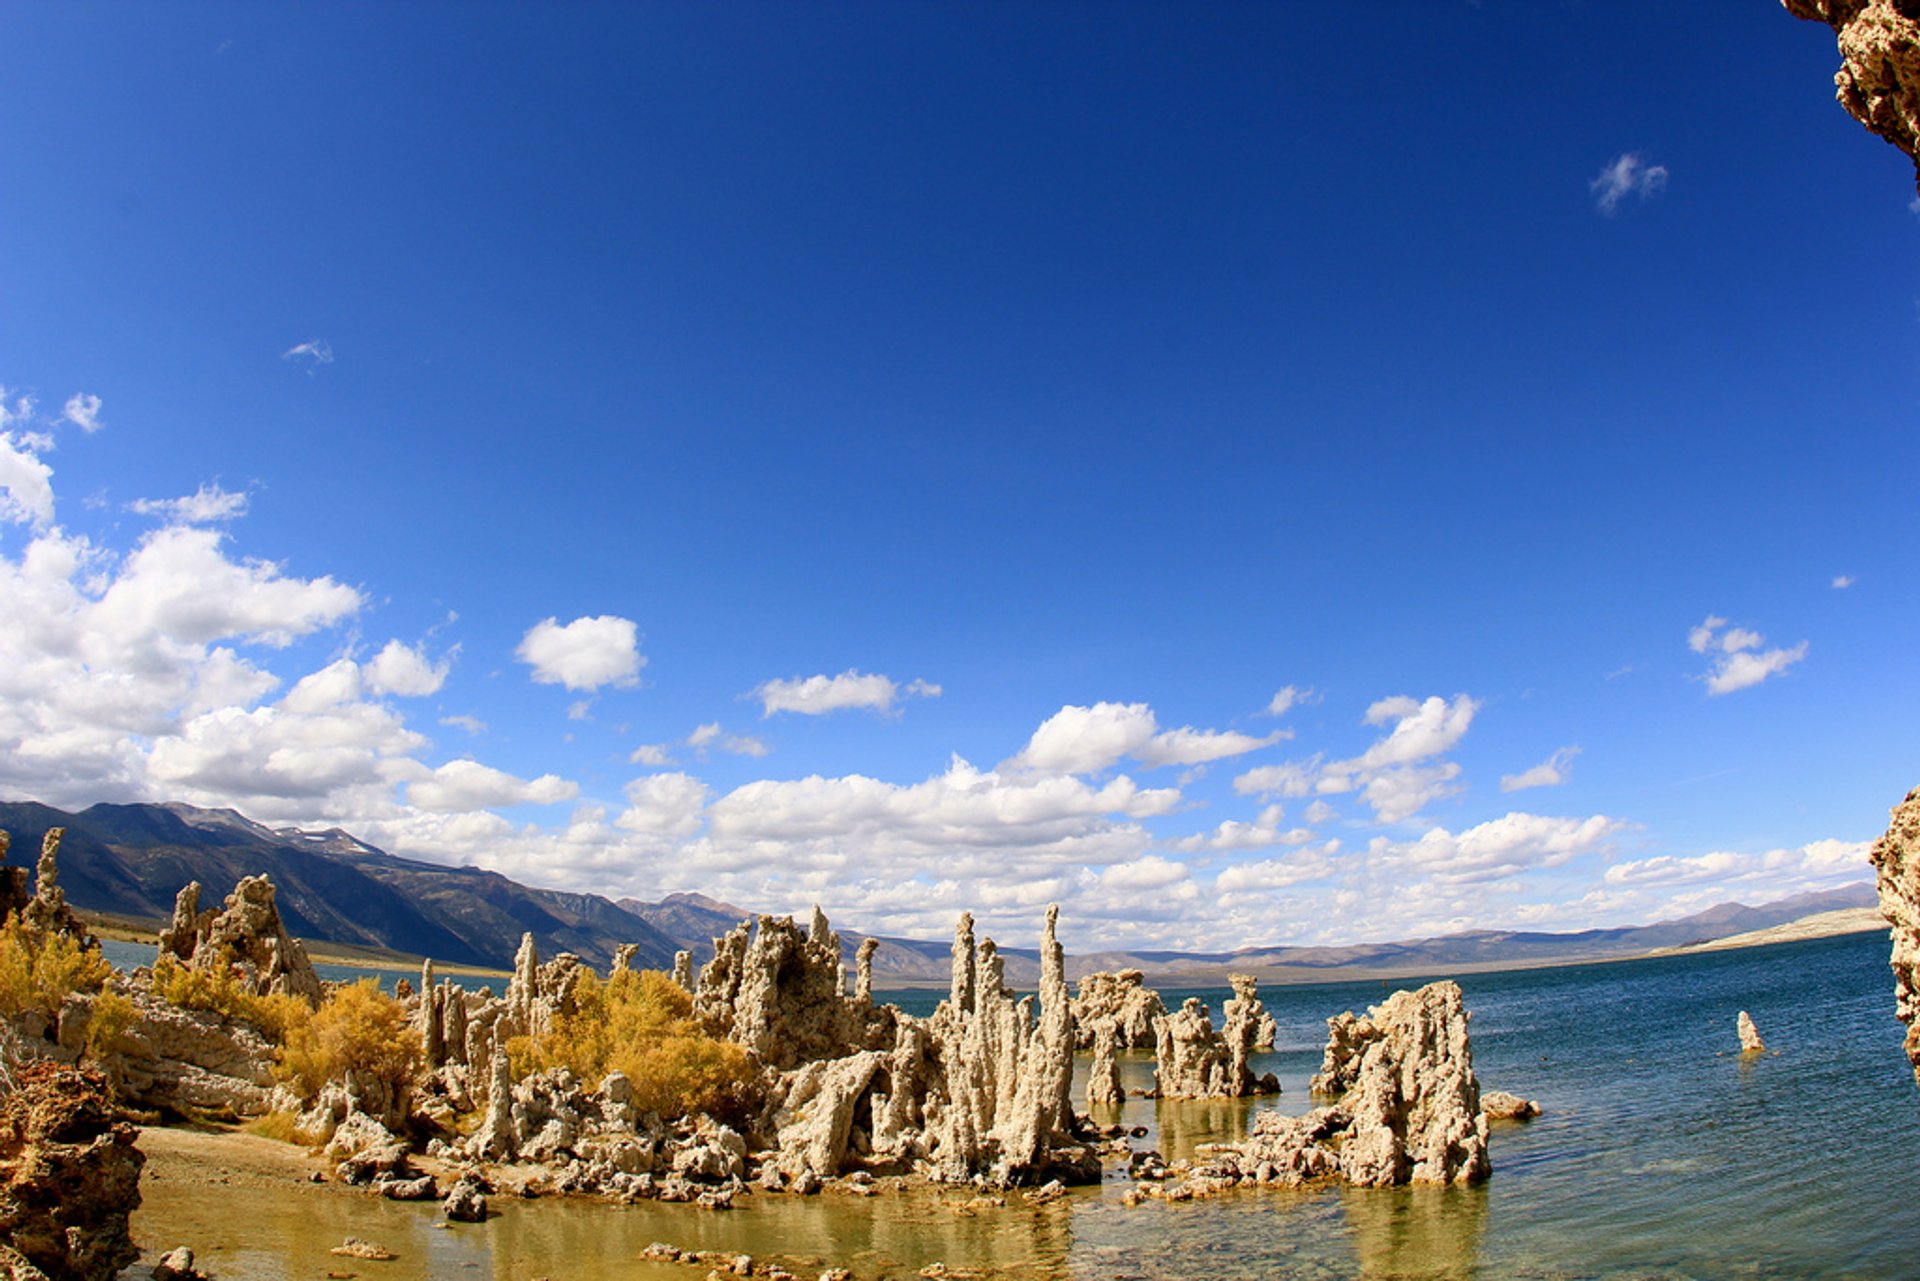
x=640, y=1023
x=358, y=1029
x=39, y=969
x=226, y=992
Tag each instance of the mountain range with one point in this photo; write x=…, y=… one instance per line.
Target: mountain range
x=129, y=861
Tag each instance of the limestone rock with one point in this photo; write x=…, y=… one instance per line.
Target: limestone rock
x=466, y=1200
x=1124, y=998
x=1415, y=1101
x=1750, y=1042
x=1896, y=861
x=246, y=934
x=1879, y=77
x=1103, y=1079
x=69, y=1174
x=1193, y=1060
x=779, y=994
x=177, y=1265
x=1247, y=1023
x=1502, y=1106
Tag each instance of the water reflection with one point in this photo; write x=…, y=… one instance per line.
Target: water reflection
x=1430, y=1233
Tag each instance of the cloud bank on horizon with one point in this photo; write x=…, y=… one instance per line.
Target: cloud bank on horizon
x=168, y=665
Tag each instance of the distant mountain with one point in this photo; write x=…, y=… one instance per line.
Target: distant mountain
x=132, y=859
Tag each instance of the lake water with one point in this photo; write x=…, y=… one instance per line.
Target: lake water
x=1662, y=1154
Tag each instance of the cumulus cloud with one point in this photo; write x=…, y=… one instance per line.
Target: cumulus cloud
x=1396, y=775
x=405, y=671
x=1501, y=847
x=585, y=655
x=26, y=484
x=1815, y=865
x=83, y=411
x=464, y=721
x=818, y=695
x=1280, y=873
x=1087, y=740
x=208, y=505
x=1286, y=699
x=1735, y=657
x=464, y=785
x=1263, y=833
x=1552, y=772
x=1626, y=176
x=1843, y=581
x=656, y=755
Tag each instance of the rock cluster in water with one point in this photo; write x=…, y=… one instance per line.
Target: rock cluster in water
x=1121, y=998
x=1896, y=863
x=1408, y=1103
x=1879, y=77
x=1198, y=1062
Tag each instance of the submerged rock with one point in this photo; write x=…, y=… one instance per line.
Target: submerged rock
x=1502, y=1106
x=1896, y=862
x=1103, y=1080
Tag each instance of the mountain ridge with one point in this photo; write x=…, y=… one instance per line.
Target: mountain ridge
x=131, y=860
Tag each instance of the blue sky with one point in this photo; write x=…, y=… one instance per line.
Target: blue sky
x=899, y=455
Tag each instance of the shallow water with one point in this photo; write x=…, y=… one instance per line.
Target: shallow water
x=1662, y=1154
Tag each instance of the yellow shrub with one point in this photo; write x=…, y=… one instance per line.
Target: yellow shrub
x=38, y=970
x=222, y=990
x=358, y=1029
x=641, y=1024
x=112, y=1013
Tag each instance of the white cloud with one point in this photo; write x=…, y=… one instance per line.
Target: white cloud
x=1501, y=847
x=1263, y=833
x=580, y=710
x=665, y=805
x=405, y=671
x=656, y=755
x=1736, y=661
x=584, y=655
x=1843, y=581
x=711, y=737
x=1321, y=812
x=1286, y=699
x=315, y=351
x=1552, y=772
x=818, y=695
x=208, y=505
x=1626, y=176
x=1391, y=775
x=1280, y=873
x=83, y=411
x=1815, y=865
x=463, y=785
x=1087, y=740
x=471, y=724
x=26, y=484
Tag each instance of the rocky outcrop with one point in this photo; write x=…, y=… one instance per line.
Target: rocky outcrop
x=1896, y=863
x=69, y=1175
x=781, y=995
x=1103, y=1078
x=1195, y=1061
x=1415, y=1101
x=46, y=910
x=1003, y=1109
x=246, y=935
x=1409, y=1109
x=1750, y=1042
x=1879, y=77
x=1122, y=997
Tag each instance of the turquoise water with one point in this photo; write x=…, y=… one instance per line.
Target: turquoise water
x=1662, y=1154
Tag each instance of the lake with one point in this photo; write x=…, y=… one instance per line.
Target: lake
x=1661, y=1154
